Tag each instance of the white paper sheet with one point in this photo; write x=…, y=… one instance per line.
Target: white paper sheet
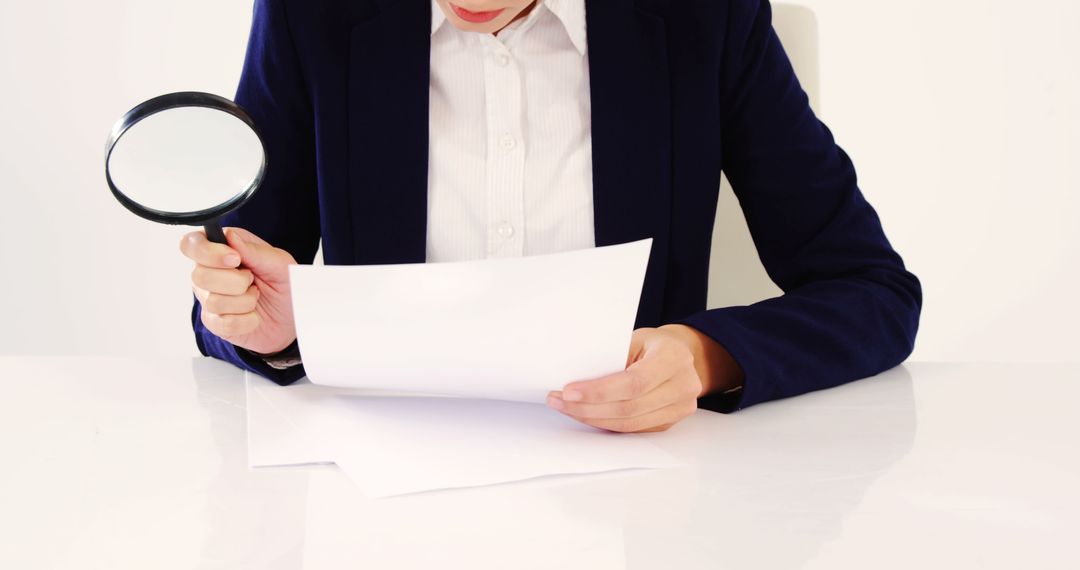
x=510, y=329
x=393, y=445
x=283, y=429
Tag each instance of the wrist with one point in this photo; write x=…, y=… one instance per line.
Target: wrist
x=283, y=351
x=715, y=366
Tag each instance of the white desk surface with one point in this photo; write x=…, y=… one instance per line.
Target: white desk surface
x=122, y=463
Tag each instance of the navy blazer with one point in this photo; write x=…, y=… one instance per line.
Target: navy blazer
x=680, y=91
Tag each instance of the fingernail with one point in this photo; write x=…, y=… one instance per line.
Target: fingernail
x=555, y=403
x=232, y=260
x=571, y=395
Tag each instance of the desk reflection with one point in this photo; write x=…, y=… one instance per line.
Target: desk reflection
x=778, y=480
x=253, y=519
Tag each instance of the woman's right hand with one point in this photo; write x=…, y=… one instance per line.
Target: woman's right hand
x=244, y=289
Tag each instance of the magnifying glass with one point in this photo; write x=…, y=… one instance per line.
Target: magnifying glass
x=185, y=158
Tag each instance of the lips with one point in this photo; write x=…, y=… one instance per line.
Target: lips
x=476, y=17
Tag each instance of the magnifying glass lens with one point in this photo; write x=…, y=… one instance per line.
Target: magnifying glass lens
x=185, y=158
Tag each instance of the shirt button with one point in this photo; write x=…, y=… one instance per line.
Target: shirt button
x=502, y=59
x=507, y=142
x=505, y=230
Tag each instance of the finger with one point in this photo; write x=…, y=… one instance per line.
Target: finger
x=244, y=235
x=663, y=395
x=267, y=261
x=202, y=251
x=657, y=420
x=200, y=293
x=625, y=385
x=232, y=304
x=228, y=326
x=641, y=377
x=222, y=281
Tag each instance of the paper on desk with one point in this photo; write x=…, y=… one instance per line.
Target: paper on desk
x=393, y=445
x=284, y=429
x=510, y=329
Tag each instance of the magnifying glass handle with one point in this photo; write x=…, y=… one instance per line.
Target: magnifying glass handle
x=214, y=233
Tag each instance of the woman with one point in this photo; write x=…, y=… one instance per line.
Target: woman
x=408, y=131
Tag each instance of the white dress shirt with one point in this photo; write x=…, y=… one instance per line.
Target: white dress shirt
x=510, y=155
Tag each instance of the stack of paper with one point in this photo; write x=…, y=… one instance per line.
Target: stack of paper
x=498, y=334
x=397, y=445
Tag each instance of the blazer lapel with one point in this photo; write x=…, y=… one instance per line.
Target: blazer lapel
x=631, y=131
x=388, y=133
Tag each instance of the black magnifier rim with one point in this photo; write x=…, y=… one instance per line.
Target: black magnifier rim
x=172, y=101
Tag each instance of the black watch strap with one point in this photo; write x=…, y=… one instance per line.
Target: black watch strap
x=286, y=358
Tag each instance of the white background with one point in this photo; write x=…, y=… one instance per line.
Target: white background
x=961, y=115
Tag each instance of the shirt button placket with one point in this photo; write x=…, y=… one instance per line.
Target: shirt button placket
x=506, y=152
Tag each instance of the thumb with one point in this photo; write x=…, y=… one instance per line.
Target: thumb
x=637, y=345
x=264, y=260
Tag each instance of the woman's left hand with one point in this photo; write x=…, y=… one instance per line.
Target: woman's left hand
x=659, y=386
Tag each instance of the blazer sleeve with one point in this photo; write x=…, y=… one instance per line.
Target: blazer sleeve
x=284, y=211
x=850, y=309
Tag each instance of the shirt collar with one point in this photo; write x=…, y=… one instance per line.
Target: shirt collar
x=570, y=12
x=437, y=17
